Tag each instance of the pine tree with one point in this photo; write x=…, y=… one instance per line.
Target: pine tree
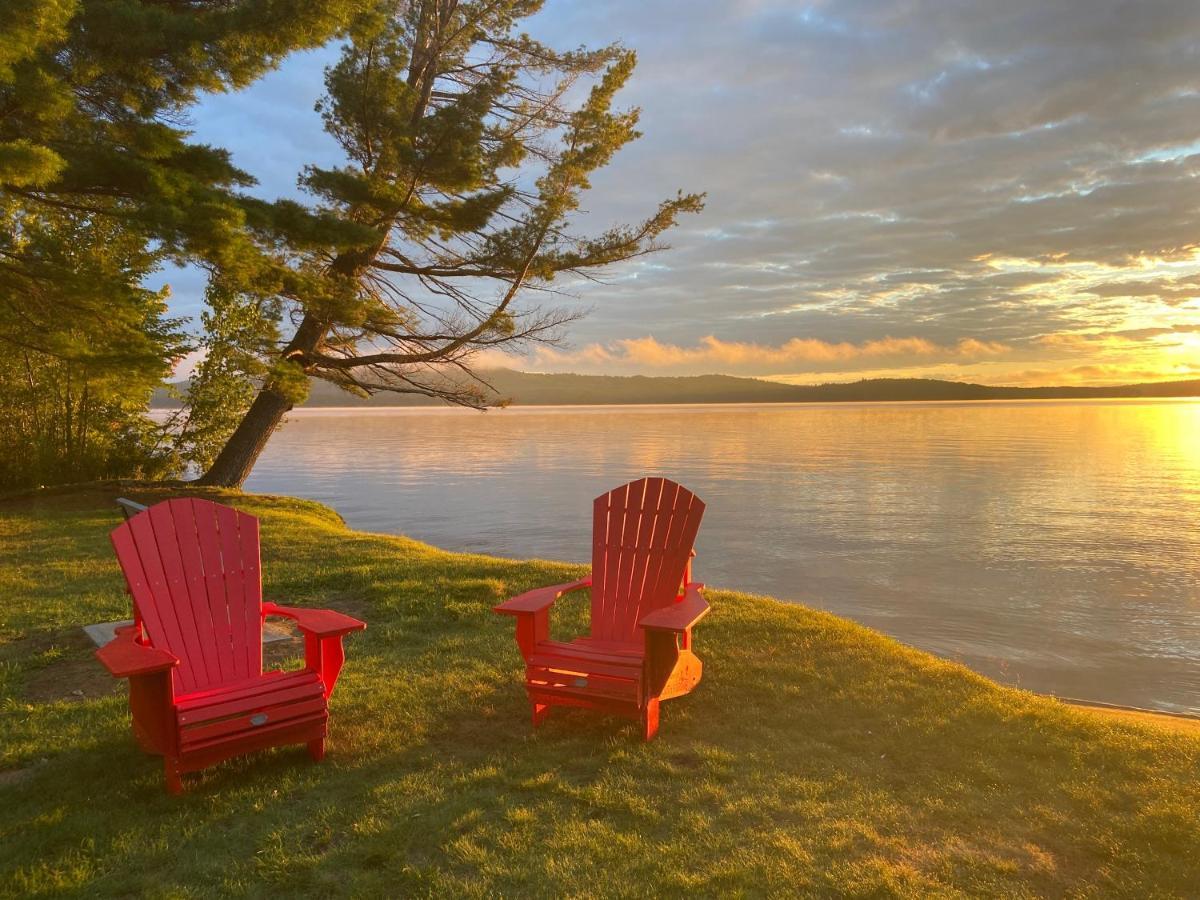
x=92, y=96
x=468, y=145
x=100, y=183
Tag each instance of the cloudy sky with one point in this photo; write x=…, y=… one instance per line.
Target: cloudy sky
x=998, y=192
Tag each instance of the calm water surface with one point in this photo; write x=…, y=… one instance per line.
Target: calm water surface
x=1052, y=545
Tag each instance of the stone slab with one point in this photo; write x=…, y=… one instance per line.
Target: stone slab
x=103, y=632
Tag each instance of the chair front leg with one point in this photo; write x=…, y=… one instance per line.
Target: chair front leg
x=532, y=628
x=672, y=669
x=152, y=708
x=325, y=656
x=662, y=654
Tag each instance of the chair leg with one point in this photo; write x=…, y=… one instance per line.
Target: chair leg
x=171, y=774
x=650, y=719
x=540, y=711
x=316, y=749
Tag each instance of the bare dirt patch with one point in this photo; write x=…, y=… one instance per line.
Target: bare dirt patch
x=75, y=675
x=9, y=777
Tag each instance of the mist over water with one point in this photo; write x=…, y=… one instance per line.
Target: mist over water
x=1053, y=545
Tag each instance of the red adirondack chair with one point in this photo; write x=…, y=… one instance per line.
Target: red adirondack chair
x=644, y=604
x=193, y=656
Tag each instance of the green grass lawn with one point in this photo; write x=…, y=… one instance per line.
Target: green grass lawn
x=816, y=757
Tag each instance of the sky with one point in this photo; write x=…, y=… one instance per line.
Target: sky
x=1006, y=193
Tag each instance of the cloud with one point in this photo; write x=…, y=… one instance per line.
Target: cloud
x=648, y=355
x=958, y=172
x=893, y=148
x=1095, y=374
x=1091, y=340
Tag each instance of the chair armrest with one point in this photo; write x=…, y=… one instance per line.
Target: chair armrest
x=320, y=623
x=124, y=657
x=679, y=616
x=539, y=598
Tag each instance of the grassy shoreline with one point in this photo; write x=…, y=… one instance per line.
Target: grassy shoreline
x=1174, y=721
x=817, y=757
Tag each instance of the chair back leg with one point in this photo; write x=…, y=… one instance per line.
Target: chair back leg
x=650, y=719
x=171, y=774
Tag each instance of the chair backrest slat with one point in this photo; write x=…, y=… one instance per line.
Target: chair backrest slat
x=239, y=533
x=642, y=554
x=144, y=579
x=642, y=537
x=183, y=516
x=155, y=607
x=192, y=567
x=208, y=542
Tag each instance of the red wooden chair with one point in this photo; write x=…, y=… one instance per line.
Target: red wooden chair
x=644, y=604
x=193, y=656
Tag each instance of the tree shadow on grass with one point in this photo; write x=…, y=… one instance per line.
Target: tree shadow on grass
x=444, y=787
x=815, y=756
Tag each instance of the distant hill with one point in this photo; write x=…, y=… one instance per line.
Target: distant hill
x=530, y=389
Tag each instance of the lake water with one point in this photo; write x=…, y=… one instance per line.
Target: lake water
x=1051, y=545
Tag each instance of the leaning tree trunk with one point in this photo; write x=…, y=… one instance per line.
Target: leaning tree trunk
x=233, y=464
x=238, y=456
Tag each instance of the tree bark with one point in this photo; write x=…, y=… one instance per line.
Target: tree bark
x=232, y=466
